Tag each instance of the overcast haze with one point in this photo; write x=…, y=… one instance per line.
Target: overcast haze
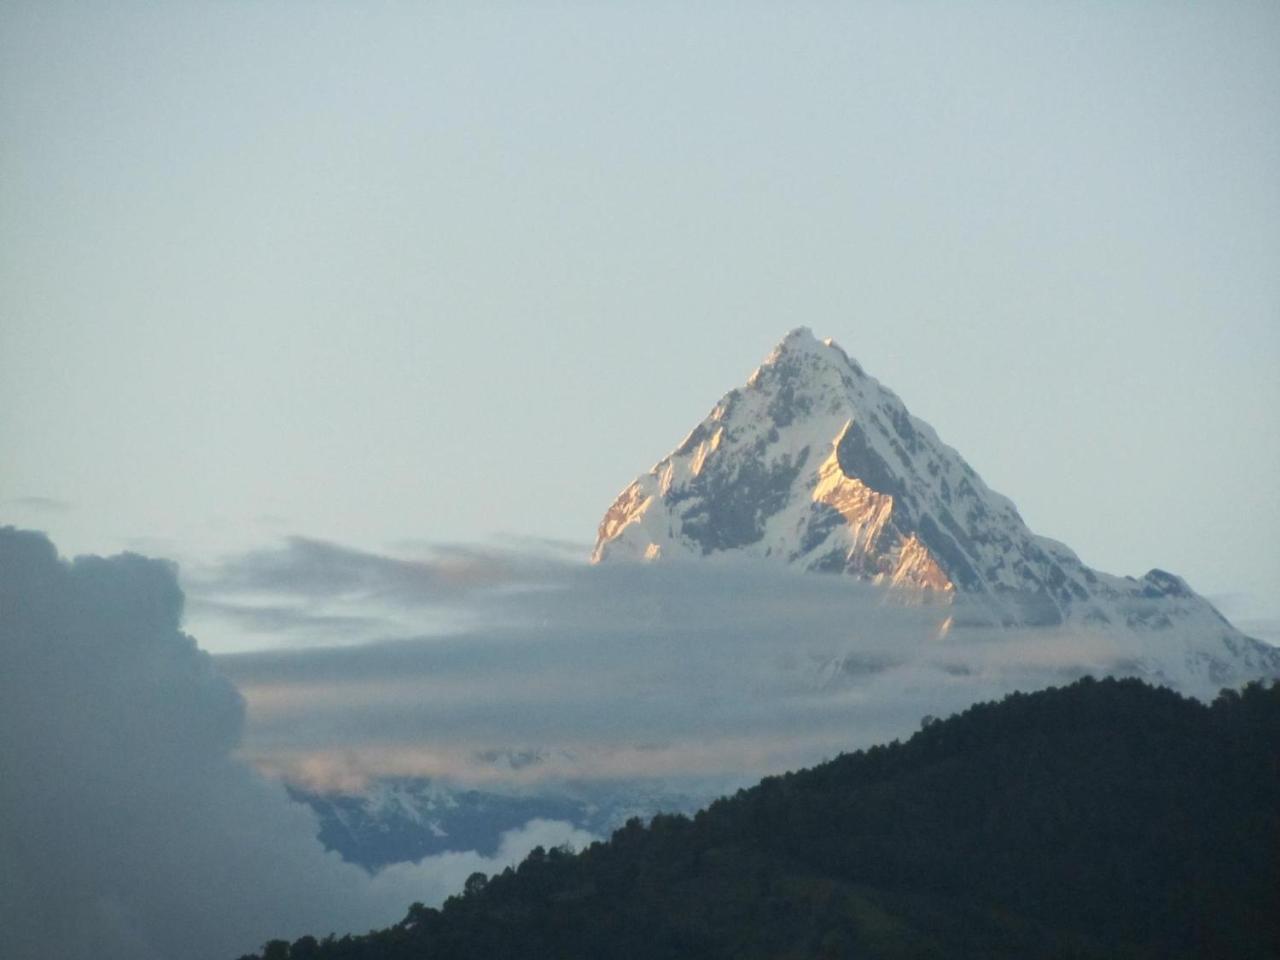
x=380, y=272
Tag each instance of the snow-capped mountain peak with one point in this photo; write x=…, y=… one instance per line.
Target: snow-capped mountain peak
x=815, y=464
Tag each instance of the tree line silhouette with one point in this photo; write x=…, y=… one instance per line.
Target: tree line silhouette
x=1108, y=818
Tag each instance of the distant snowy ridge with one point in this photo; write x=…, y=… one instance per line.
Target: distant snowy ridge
x=401, y=819
x=816, y=465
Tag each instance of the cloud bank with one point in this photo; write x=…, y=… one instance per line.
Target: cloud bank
x=696, y=670
x=128, y=827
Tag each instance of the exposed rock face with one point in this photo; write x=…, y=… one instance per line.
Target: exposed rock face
x=815, y=464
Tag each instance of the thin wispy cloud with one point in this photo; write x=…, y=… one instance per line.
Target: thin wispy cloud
x=283, y=620
x=304, y=567
x=40, y=504
x=306, y=591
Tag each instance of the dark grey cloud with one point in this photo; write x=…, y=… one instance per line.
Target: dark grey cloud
x=128, y=827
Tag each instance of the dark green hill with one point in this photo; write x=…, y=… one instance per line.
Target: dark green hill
x=1104, y=819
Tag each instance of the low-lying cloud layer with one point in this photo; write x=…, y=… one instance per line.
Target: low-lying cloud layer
x=128, y=829
x=696, y=670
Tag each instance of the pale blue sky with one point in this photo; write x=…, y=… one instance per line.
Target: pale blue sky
x=389, y=271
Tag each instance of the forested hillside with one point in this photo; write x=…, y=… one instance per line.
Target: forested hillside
x=1103, y=819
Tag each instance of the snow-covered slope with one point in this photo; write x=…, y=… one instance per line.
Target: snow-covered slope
x=402, y=819
x=815, y=464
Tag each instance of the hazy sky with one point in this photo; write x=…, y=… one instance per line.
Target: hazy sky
x=387, y=271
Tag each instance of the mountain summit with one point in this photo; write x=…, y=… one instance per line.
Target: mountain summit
x=817, y=465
